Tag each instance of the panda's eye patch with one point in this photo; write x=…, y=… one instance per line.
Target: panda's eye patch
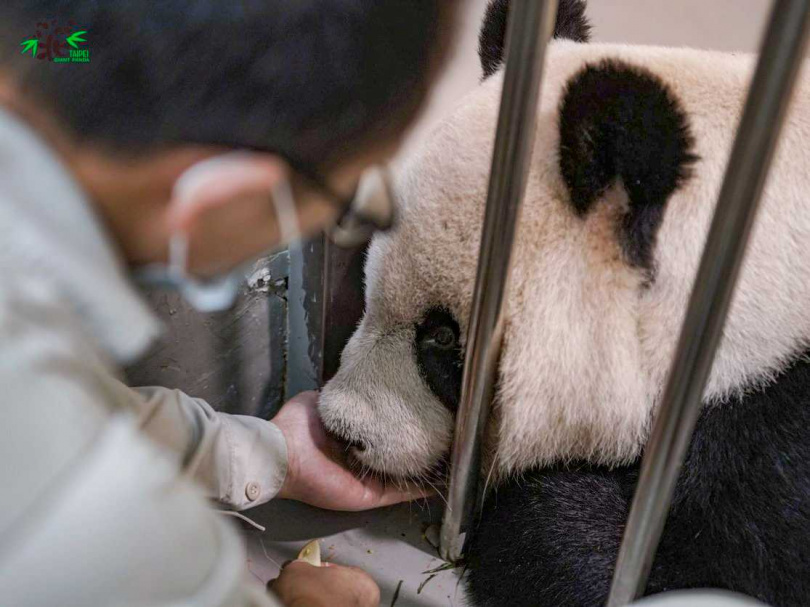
x=439, y=355
x=442, y=337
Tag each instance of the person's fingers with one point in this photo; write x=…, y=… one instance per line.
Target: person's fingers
x=303, y=567
x=392, y=496
x=377, y=495
x=300, y=583
x=309, y=398
x=290, y=569
x=368, y=593
x=297, y=564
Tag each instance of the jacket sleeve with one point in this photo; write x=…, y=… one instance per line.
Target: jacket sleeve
x=123, y=526
x=92, y=512
x=241, y=460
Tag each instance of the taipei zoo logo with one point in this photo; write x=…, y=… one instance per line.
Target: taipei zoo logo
x=58, y=43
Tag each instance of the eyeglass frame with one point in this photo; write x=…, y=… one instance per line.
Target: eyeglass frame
x=353, y=227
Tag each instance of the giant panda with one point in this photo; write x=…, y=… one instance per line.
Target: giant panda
x=632, y=144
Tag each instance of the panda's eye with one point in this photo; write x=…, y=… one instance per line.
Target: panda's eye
x=439, y=355
x=443, y=337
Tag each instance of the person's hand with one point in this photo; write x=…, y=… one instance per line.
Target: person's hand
x=302, y=585
x=317, y=472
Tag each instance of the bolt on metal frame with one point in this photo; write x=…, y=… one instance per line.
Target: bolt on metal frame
x=531, y=24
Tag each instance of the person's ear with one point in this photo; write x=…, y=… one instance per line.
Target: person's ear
x=224, y=184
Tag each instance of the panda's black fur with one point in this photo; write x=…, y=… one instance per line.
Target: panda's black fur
x=740, y=519
x=571, y=24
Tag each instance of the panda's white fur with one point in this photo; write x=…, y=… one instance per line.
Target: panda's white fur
x=588, y=343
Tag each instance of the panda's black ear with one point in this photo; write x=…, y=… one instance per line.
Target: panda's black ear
x=619, y=122
x=572, y=24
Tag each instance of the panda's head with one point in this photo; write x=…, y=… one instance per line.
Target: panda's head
x=600, y=275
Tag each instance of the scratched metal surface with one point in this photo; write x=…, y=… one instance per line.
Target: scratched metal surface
x=235, y=359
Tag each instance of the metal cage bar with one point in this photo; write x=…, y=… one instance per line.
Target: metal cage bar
x=763, y=117
x=531, y=25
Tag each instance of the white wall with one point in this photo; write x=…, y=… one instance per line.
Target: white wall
x=728, y=25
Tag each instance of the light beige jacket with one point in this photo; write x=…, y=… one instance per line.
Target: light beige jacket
x=95, y=508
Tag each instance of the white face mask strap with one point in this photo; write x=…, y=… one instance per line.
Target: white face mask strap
x=286, y=213
x=178, y=255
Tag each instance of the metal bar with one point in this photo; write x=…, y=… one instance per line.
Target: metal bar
x=344, y=302
x=277, y=286
x=305, y=313
x=325, y=302
x=531, y=25
x=768, y=100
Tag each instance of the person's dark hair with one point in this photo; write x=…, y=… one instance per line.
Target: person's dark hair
x=310, y=79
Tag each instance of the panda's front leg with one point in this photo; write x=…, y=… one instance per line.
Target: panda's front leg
x=739, y=520
x=550, y=538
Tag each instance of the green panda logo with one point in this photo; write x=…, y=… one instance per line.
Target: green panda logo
x=58, y=43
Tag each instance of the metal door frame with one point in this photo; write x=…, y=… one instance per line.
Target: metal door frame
x=324, y=303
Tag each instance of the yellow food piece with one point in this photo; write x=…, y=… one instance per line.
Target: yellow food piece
x=311, y=553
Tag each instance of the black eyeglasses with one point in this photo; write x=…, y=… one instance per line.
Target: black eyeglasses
x=370, y=209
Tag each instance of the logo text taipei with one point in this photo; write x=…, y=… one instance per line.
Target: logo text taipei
x=58, y=43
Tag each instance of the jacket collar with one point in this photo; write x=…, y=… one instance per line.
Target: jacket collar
x=48, y=229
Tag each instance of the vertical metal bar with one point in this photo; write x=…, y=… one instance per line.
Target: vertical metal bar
x=768, y=100
x=277, y=286
x=531, y=25
x=325, y=303
x=344, y=302
x=305, y=311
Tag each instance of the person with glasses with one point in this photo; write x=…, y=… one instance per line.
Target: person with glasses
x=172, y=143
